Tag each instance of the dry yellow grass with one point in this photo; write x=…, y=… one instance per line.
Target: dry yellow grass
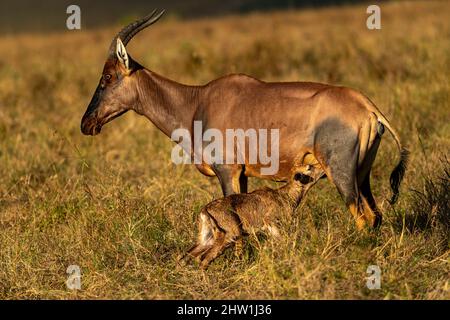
x=116, y=206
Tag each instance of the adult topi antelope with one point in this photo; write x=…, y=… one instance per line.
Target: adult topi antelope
x=333, y=128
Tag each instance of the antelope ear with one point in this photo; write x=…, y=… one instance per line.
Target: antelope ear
x=122, y=54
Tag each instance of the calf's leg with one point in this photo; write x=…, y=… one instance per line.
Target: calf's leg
x=205, y=238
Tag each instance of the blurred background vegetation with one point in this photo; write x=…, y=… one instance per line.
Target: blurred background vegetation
x=50, y=15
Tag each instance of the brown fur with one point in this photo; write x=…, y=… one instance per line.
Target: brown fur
x=224, y=222
x=335, y=127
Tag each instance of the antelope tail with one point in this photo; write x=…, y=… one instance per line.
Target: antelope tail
x=399, y=171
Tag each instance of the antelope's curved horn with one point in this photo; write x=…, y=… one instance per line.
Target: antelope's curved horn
x=128, y=32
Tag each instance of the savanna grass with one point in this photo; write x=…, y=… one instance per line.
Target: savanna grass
x=117, y=207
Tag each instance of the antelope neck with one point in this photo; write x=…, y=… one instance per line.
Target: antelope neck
x=168, y=104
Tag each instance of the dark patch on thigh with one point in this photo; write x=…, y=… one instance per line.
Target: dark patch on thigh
x=337, y=146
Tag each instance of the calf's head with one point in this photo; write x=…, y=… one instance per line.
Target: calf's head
x=117, y=91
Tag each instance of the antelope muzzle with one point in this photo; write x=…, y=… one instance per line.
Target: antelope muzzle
x=90, y=123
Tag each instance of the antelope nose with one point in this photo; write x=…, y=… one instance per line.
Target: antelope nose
x=87, y=125
x=84, y=129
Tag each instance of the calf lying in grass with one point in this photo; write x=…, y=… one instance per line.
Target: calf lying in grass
x=224, y=222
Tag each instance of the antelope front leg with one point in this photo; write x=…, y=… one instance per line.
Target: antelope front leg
x=231, y=178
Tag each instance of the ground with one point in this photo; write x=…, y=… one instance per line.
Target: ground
x=117, y=207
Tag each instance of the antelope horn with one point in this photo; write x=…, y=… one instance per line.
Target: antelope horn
x=128, y=32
